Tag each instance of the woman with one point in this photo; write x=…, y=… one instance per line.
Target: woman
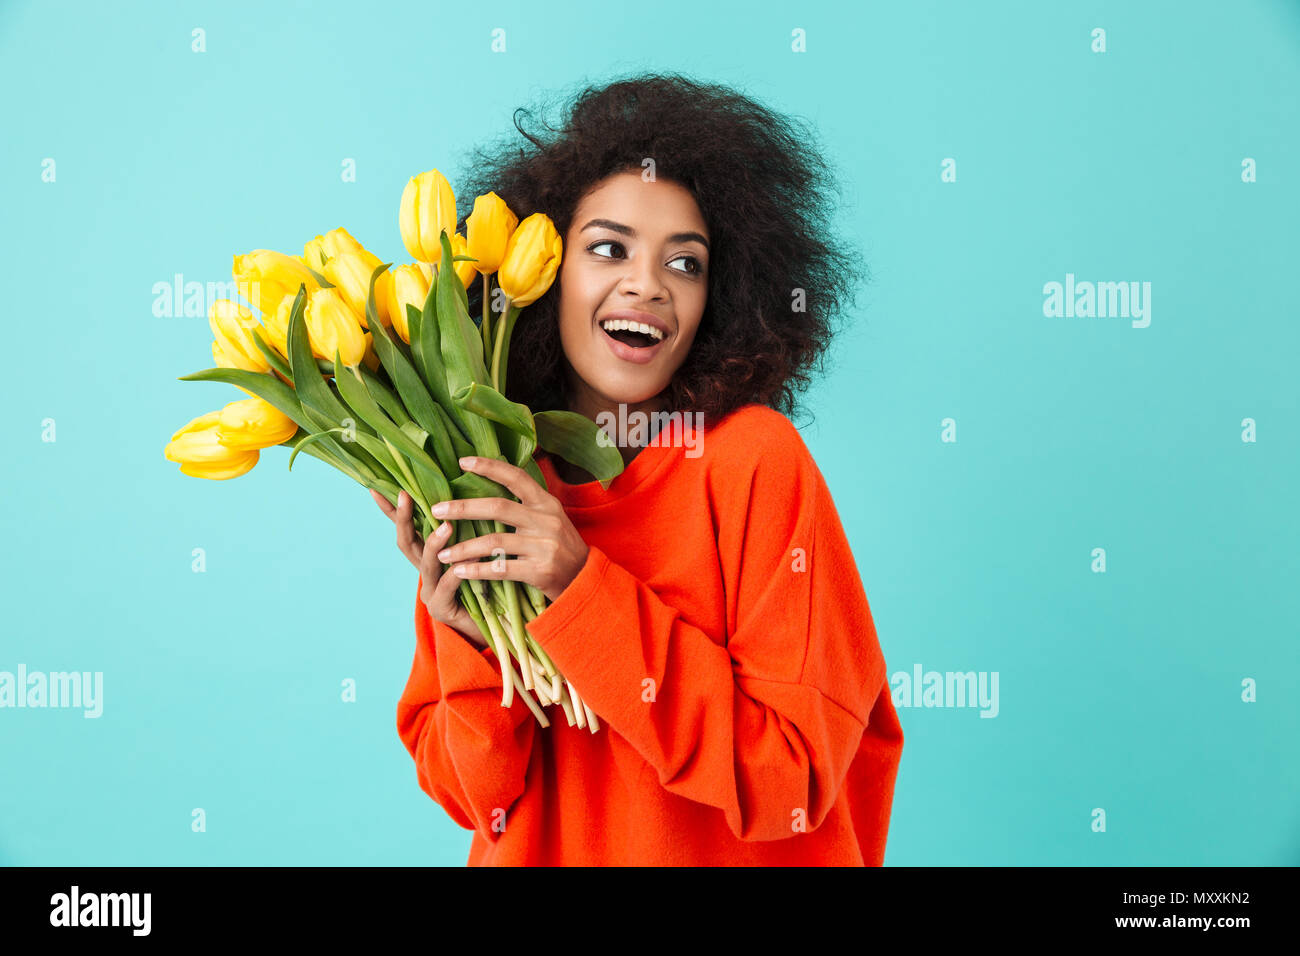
x=706, y=604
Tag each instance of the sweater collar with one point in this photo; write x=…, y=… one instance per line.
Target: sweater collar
x=666, y=446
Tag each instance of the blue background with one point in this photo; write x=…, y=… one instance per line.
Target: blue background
x=1119, y=690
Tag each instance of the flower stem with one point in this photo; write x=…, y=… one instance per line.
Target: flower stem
x=548, y=665
x=517, y=633
x=503, y=655
x=485, y=326
x=503, y=327
x=578, y=709
x=532, y=705
x=536, y=598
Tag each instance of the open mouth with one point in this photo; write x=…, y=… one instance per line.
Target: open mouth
x=635, y=335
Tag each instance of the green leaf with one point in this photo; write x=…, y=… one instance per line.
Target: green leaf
x=282, y=397
x=307, y=440
x=354, y=463
x=320, y=279
x=415, y=433
x=517, y=436
x=384, y=455
x=487, y=401
x=462, y=352
x=426, y=355
x=425, y=347
x=429, y=487
x=413, y=315
x=384, y=396
x=372, y=314
x=414, y=395
x=312, y=391
x=354, y=392
x=272, y=355
x=470, y=485
x=320, y=406
x=345, y=465
x=579, y=441
x=262, y=384
x=459, y=445
x=516, y=448
x=530, y=466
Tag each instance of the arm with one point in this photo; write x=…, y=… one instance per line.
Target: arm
x=767, y=725
x=471, y=754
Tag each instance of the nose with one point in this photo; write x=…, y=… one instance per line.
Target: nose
x=641, y=278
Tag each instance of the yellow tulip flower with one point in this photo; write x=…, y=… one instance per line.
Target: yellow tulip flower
x=326, y=247
x=349, y=271
x=531, y=261
x=196, y=448
x=252, y=424
x=370, y=359
x=232, y=327
x=265, y=277
x=334, y=243
x=428, y=209
x=331, y=324
x=275, y=327
x=409, y=287
x=465, y=269
x=487, y=230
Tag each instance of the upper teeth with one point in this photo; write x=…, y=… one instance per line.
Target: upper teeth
x=613, y=325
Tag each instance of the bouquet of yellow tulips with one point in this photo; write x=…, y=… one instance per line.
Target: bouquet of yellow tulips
x=383, y=375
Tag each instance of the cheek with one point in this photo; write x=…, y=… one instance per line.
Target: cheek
x=688, y=330
x=578, y=298
x=575, y=318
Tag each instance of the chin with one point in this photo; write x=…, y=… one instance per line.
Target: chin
x=624, y=392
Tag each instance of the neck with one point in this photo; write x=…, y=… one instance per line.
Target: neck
x=589, y=405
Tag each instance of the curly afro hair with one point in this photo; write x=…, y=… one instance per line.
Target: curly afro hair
x=777, y=274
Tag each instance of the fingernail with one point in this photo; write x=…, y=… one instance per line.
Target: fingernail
x=460, y=570
x=443, y=529
x=468, y=462
x=440, y=509
x=444, y=554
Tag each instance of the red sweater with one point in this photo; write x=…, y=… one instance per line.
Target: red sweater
x=720, y=632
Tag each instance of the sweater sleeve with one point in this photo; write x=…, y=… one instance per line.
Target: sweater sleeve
x=763, y=724
x=471, y=754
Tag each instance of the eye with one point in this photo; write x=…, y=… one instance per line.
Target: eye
x=696, y=269
x=699, y=267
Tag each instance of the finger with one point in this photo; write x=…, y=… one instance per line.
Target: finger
x=427, y=560
x=520, y=482
x=496, y=509
x=445, y=595
x=383, y=503
x=496, y=570
x=498, y=543
x=446, y=599
x=407, y=540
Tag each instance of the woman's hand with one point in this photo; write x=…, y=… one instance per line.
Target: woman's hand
x=550, y=550
x=437, y=590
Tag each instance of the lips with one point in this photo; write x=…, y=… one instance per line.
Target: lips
x=628, y=353
x=633, y=315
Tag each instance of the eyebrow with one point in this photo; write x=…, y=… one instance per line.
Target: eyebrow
x=629, y=231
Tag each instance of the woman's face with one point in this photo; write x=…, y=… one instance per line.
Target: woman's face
x=636, y=251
